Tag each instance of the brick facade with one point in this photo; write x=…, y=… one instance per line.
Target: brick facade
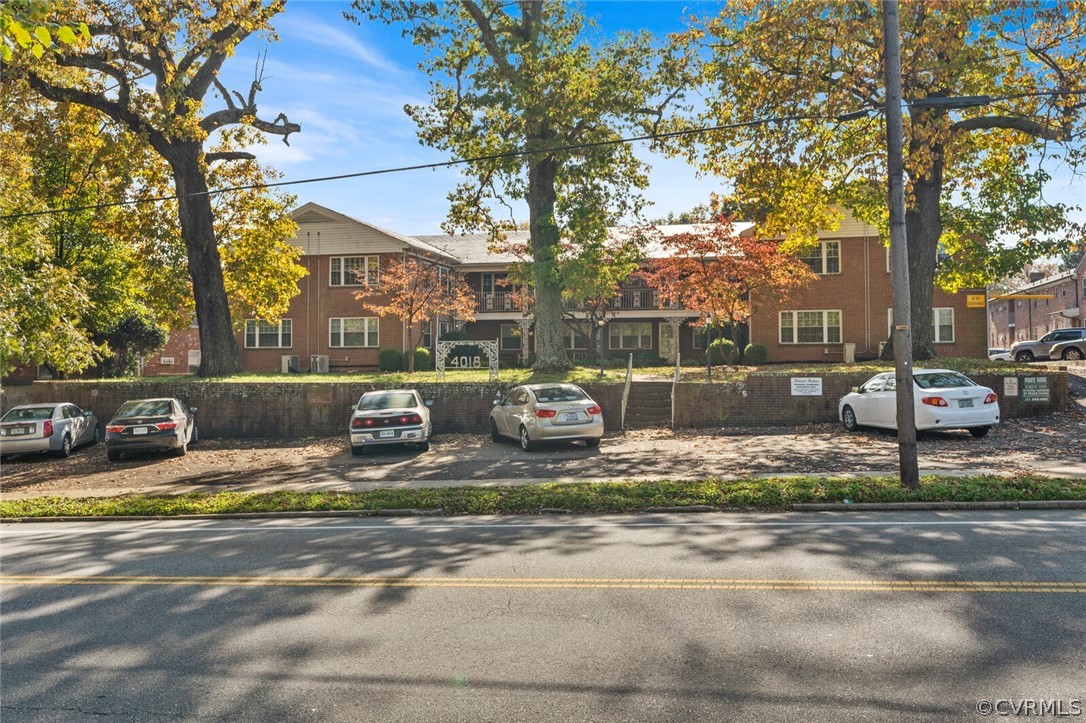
x=1031, y=311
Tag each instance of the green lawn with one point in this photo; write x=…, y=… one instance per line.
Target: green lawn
x=602, y=497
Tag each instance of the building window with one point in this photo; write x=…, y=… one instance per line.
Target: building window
x=354, y=271
x=354, y=332
x=262, y=335
x=810, y=327
x=573, y=339
x=510, y=338
x=942, y=320
x=630, y=335
x=825, y=258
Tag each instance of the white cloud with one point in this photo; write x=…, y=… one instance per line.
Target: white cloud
x=334, y=41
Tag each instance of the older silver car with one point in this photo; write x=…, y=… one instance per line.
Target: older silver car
x=57, y=428
x=534, y=413
x=392, y=416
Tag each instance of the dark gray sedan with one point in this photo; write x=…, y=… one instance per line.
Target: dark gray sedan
x=151, y=424
x=56, y=428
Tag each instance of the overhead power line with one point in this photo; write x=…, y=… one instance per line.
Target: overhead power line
x=969, y=101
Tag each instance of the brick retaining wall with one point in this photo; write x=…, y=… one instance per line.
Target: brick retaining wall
x=296, y=409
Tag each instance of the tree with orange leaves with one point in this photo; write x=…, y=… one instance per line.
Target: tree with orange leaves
x=415, y=289
x=716, y=272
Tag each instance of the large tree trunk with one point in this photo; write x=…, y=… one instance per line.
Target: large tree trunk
x=924, y=227
x=550, y=349
x=218, y=348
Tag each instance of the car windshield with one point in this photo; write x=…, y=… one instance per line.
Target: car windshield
x=942, y=380
x=386, y=400
x=28, y=414
x=152, y=408
x=546, y=395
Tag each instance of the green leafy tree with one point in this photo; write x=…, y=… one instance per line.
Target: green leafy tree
x=149, y=66
x=973, y=175
x=25, y=25
x=513, y=82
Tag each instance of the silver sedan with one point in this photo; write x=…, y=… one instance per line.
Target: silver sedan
x=535, y=413
x=392, y=416
x=56, y=428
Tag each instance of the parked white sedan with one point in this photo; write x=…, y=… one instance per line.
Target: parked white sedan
x=943, y=399
x=393, y=416
x=535, y=413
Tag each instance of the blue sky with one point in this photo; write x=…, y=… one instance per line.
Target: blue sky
x=347, y=84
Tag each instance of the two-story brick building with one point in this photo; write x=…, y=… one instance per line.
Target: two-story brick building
x=1043, y=305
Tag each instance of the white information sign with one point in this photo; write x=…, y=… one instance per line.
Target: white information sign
x=1010, y=386
x=806, y=386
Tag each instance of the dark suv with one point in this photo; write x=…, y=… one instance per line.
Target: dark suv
x=1027, y=351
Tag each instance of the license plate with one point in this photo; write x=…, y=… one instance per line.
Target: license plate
x=412, y=435
x=572, y=416
x=17, y=431
x=963, y=403
x=387, y=433
x=139, y=430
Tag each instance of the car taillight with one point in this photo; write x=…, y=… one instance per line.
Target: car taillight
x=114, y=428
x=992, y=398
x=545, y=413
x=934, y=402
x=163, y=426
x=595, y=409
x=47, y=429
x=415, y=419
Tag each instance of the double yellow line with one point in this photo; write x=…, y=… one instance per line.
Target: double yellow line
x=546, y=583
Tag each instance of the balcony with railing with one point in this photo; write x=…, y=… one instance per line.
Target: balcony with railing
x=625, y=300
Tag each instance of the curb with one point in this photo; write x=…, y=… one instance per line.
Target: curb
x=928, y=506
x=403, y=512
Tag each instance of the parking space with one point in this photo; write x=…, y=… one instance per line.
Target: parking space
x=1050, y=445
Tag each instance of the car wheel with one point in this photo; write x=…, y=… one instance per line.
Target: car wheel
x=849, y=418
x=425, y=446
x=1072, y=354
x=592, y=442
x=1023, y=357
x=494, y=435
x=5, y=457
x=113, y=455
x=357, y=451
x=979, y=431
x=97, y=434
x=65, y=447
x=526, y=442
x=195, y=435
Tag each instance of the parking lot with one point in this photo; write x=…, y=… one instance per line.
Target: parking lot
x=1047, y=445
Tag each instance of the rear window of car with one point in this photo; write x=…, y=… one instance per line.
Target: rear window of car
x=32, y=414
x=390, y=400
x=547, y=395
x=145, y=409
x=942, y=380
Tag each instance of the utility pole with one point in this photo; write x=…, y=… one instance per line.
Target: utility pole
x=902, y=336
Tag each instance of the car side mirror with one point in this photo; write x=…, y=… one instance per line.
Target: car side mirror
x=88, y=414
x=429, y=402
x=192, y=409
x=855, y=390
x=497, y=402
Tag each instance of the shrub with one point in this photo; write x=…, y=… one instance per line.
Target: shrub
x=724, y=351
x=649, y=359
x=754, y=354
x=422, y=359
x=391, y=360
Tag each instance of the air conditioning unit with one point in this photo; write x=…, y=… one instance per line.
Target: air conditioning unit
x=318, y=364
x=882, y=345
x=292, y=364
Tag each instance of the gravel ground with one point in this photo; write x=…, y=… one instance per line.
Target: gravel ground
x=1047, y=445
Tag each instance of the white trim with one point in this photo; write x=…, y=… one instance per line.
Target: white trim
x=824, y=248
x=372, y=326
x=794, y=314
x=342, y=271
x=279, y=330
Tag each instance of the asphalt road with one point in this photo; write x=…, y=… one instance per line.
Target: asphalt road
x=677, y=618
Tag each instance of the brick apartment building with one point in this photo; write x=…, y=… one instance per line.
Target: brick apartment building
x=1045, y=304
x=845, y=311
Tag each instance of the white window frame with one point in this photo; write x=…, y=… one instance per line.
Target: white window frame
x=935, y=335
x=616, y=326
x=570, y=337
x=794, y=326
x=824, y=257
x=338, y=274
x=285, y=328
x=371, y=332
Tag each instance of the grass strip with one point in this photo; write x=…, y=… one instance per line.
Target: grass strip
x=594, y=497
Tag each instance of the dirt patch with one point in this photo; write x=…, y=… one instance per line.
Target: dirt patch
x=1050, y=445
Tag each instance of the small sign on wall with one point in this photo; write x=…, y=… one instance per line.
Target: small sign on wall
x=806, y=386
x=974, y=301
x=1035, y=389
x=1010, y=386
